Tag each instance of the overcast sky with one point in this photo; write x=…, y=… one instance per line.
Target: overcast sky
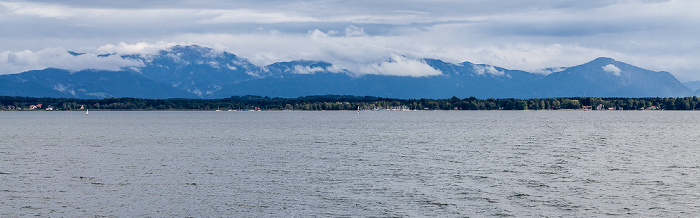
x=517, y=34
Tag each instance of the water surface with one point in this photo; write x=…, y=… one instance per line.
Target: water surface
x=282, y=164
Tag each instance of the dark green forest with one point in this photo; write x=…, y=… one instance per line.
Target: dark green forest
x=343, y=102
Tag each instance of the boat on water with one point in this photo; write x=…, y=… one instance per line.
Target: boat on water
x=87, y=112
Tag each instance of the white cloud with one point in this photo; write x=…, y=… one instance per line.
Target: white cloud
x=548, y=71
x=318, y=34
x=487, y=69
x=298, y=69
x=138, y=48
x=610, y=68
x=529, y=57
x=20, y=61
x=353, y=31
x=401, y=66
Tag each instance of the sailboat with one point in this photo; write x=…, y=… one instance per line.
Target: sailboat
x=358, y=109
x=87, y=112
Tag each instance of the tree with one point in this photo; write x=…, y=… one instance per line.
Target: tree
x=570, y=104
x=556, y=104
x=520, y=105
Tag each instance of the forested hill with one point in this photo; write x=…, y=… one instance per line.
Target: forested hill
x=343, y=102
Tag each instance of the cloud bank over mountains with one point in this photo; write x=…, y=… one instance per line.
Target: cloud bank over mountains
x=110, y=58
x=201, y=72
x=358, y=35
x=21, y=61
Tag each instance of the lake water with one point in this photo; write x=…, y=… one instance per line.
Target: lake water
x=300, y=164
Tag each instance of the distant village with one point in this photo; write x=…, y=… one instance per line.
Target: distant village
x=344, y=102
x=602, y=107
x=31, y=107
x=599, y=107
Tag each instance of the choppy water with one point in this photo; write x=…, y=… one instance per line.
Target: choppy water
x=282, y=164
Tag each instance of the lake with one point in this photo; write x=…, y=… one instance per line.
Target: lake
x=344, y=163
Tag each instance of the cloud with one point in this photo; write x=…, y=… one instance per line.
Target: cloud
x=531, y=57
x=547, y=71
x=318, y=34
x=353, y=31
x=487, y=69
x=526, y=35
x=143, y=48
x=298, y=69
x=39, y=10
x=610, y=68
x=252, y=16
x=21, y=61
x=401, y=66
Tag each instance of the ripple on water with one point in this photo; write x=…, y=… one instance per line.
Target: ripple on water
x=281, y=164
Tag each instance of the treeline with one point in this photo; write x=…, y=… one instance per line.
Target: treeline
x=343, y=102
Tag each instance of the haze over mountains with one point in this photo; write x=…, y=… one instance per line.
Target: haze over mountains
x=200, y=72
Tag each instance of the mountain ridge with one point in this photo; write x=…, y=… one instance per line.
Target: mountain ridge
x=200, y=72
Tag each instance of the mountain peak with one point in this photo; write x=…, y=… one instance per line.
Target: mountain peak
x=603, y=61
x=191, y=49
x=75, y=53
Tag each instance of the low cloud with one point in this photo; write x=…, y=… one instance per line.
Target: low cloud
x=12, y=62
x=547, y=71
x=481, y=70
x=401, y=66
x=353, y=31
x=137, y=48
x=298, y=69
x=610, y=68
x=318, y=34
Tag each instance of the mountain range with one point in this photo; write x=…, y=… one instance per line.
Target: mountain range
x=200, y=72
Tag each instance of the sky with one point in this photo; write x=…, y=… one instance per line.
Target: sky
x=530, y=35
